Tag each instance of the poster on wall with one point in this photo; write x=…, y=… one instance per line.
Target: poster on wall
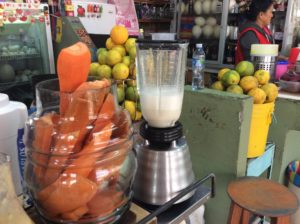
x=126, y=15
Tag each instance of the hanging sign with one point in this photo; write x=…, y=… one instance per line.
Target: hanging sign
x=126, y=15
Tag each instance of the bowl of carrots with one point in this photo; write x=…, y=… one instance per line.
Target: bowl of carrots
x=80, y=164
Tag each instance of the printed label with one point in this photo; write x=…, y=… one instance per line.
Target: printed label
x=22, y=159
x=198, y=63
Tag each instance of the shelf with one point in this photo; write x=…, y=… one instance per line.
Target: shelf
x=155, y=20
x=18, y=57
x=7, y=85
x=153, y=2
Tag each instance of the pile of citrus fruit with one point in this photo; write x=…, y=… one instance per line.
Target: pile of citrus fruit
x=117, y=61
x=245, y=80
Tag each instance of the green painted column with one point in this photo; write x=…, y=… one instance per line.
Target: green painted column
x=285, y=134
x=216, y=125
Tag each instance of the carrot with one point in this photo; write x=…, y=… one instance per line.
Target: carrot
x=67, y=194
x=72, y=67
x=76, y=214
x=44, y=129
x=109, y=169
x=105, y=202
x=122, y=121
x=82, y=111
x=109, y=106
x=59, y=156
x=88, y=156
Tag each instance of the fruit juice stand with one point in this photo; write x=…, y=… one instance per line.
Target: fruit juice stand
x=80, y=113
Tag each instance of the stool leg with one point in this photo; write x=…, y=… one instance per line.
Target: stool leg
x=281, y=220
x=246, y=216
x=235, y=214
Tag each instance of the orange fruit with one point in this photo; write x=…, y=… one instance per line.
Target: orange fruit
x=119, y=34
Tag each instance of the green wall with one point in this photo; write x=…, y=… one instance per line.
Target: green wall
x=287, y=113
x=216, y=125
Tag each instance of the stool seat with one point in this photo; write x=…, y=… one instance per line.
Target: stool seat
x=263, y=197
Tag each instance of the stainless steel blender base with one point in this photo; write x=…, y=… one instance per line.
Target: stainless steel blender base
x=162, y=174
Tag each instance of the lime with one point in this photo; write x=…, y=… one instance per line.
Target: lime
x=126, y=60
x=102, y=57
x=132, y=52
x=104, y=71
x=120, y=71
x=130, y=106
x=93, y=68
x=131, y=93
x=113, y=57
x=131, y=82
x=120, y=94
x=100, y=50
x=130, y=43
x=245, y=68
x=120, y=49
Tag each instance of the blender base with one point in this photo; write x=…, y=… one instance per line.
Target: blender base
x=162, y=174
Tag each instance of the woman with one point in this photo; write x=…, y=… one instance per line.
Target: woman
x=255, y=31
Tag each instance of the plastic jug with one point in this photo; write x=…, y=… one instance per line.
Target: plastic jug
x=12, y=121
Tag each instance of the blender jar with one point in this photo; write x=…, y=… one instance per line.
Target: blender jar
x=80, y=163
x=161, y=74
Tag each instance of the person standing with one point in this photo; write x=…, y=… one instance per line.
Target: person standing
x=255, y=30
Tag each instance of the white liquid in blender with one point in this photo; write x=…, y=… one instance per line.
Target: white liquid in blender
x=161, y=107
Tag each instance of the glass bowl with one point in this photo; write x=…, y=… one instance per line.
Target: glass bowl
x=80, y=163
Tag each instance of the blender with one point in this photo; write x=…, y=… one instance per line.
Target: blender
x=164, y=164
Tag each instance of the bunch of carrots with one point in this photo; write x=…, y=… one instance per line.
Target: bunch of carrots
x=78, y=152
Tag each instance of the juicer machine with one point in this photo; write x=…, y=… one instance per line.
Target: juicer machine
x=164, y=164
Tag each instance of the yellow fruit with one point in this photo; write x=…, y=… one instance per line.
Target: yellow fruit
x=120, y=49
x=248, y=82
x=222, y=72
x=102, y=57
x=271, y=91
x=109, y=43
x=126, y=60
x=131, y=107
x=120, y=71
x=130, y=43
x=245, y=68
x=132, y=53
x=113, y=57
x=262, y=76
x=259, y=96
x=93, y=68
x=138, y=115
x=218, y=85
x=235, y=89
x=104, y=71
x=119, y=34
x=230, y=77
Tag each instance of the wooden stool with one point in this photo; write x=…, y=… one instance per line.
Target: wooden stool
x=261, y=197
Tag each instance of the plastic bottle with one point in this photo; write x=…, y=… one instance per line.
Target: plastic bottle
x=198, y=64
x=13, y=116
